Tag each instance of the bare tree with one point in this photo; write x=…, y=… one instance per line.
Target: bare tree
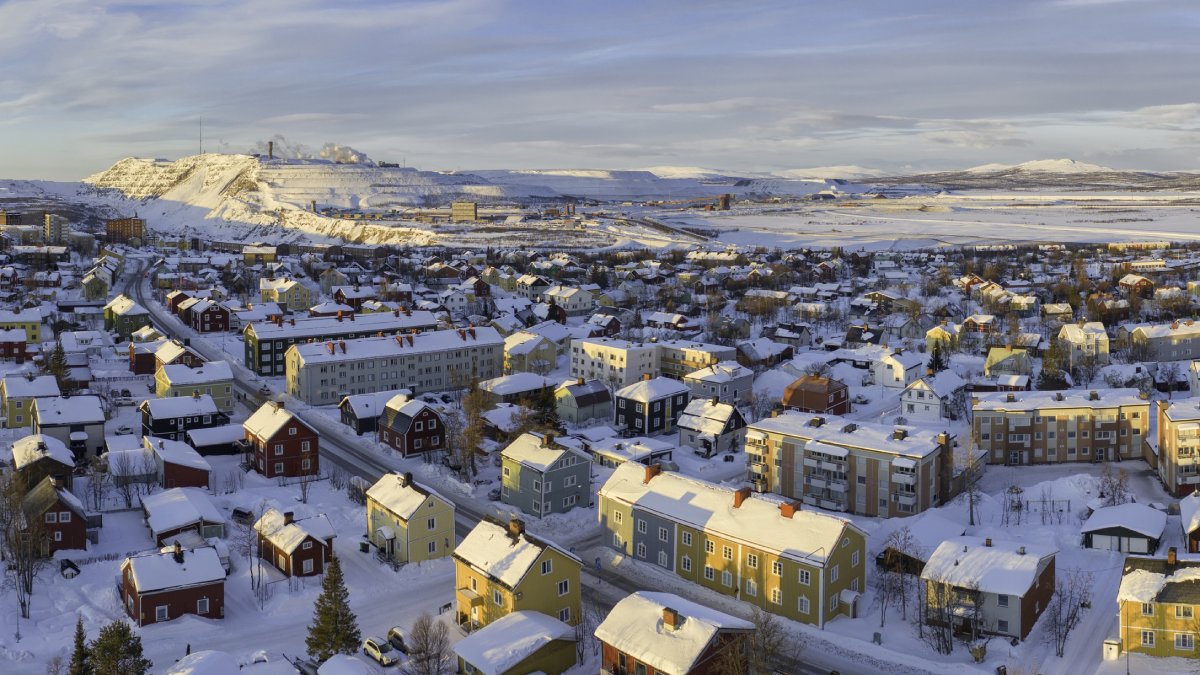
x=1114, y=485
x=935, y=624
x=121, y=470
x=770, y=647
x=971, y=466
x=305, y=482
x=894, y=584
x=246, y=542
x=1072, y=593
x=24, y=547
x=428, y=647
x=98, y=484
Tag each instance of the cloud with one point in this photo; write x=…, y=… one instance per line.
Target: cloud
x=725, y=105
x=1176, y=117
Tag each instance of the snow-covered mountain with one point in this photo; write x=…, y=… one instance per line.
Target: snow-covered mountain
x=1065, y=174
x=1052, y=166
x=841, y=172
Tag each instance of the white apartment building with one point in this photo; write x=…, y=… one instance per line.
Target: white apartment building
x=1085, y=342
x=1179, y=445
x=617, y=363
x=322, y=373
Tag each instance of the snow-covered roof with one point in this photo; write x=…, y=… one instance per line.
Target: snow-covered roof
x=207, y=373
x=652, y=390
x=31, y=448
x=177, y=452
x=400, y=495
x=1004, y=567
x=943, y=384
x=399, y=345
x=180, y=406
x=517, y=383
x=706, y=417
x=1131, y=516
x=269, y=419
x=531, y=450
x=502, y=644
x=834, y=431
x=160, y=571
x=317, y=326
x=1027, y=401
x=807, y=536
x=725, y=371
x=287, y=536
x=346, y=664
x=489, y=549
x=371, y=405
x=629, y=449
x=61, y=410
x=1149, y=579
x=226, y=433
x=636, y=627
x=1189, y=512
x=179, y=507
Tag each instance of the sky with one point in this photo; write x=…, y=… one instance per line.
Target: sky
x=752, y=85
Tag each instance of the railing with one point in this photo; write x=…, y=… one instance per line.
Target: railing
x=904, y=478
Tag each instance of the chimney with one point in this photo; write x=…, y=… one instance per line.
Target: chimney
x=671, y=619
x=406, y=479
x=471, y=332
x=270, y=149
x=899, y=434
x=646, y=377
x=339, y=316
x=739, y=496
x=987, y=542
x=196, y=394
x=1011, y=398
x=278, y=405
x=1171, y=556
x=516, y=528
x=352, y=316
x=652, y=470
x=1020, y=550
x=1093, y=395
x=547, y=439
x=579, y=381
x=789, y=509
x=292, y=321
x=289, y=517
x=178, y=553
x=342, y=344
x=330, y=347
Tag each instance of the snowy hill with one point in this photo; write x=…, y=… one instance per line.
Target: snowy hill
x=1055, y=166
x=843, y=172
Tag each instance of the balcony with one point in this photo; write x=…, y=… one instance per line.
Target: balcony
x=814, y=482
x=812, y=462
x=907, y=498
x=833, y=466
x=1190, y=479
x=838, y=486
x=825, y=503
x=904, y=478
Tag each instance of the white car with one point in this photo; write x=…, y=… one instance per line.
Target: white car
x=381, y=651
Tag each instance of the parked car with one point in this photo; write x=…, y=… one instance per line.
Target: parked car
x=446, y=398
x=242, y=516
x=124, y=400
x=860, y=400
x=124, y=429
x=494, y=494
x=126, y=392
x=396, y=637
x=381, y=651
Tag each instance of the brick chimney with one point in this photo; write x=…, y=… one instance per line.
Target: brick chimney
x=652, y=470
x=289, y=517
x=671, y=619
x=1171, y=556
x=406, y=479
x=987, y=542
x=516, y=528
x=646, y=377
x=789, y=509
x=178, y=553
x=739, y=496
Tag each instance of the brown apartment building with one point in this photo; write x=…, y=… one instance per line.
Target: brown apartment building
x=122, y=230
x=1178, y=456
x=857, y=467
x=816, y=394
x=1043, y=427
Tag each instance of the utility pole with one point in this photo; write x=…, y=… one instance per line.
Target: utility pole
x=202, y=135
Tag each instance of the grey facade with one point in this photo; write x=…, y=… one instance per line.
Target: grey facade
x=653, y=539
x=541, y=477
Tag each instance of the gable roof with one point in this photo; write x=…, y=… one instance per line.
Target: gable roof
x=160, y=571
x=506, y=642
x=489, y=549
x=1131, y=516
x=1004, y=567
x=270, y=418
x=401, y=495
x=31, y=448
x=179, y=507
x=535, y=451
x=287, y=536
x=22, y=386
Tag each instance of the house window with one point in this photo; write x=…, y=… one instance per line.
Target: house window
x=854, y=559
x=52, y=516
x=547, y=566
x=776, y=596
x=564, y=614
x=805, y=577
x=497, y=598
x=617, y=516
x=1002, y=625
x=833, y=573
x=1147, y=638
x=564, y=587
x=1183, y=611
x=1147, y=609
x=686, y=564
x=727, y=578
x=58, y=535
x=709, y=573
x=641, y=550
x=752, y=561
x=1185, y=642
x=160, y=613
x=709, y=547
x=777, y=568
x=508, y=473
x=305, y=446
x=833, y=603
x=727, y=552
x=419, y=427
x=641, y=524
x=1002, y=600
x=291, y=431
x=431, y=425
x=308, y=566
x=687, y=538
x=278, y=467
x=751, y=588
x=663, y=561
x=802, y=605
x=662, y=534
x=279, y=448
x=432, y=547
x=306, y=545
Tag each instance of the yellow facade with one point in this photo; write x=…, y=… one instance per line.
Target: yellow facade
x=484, y=599
x=554, y=658
x=1169, y=628
x=221, y=391
x=427, y=535
x=33, y=329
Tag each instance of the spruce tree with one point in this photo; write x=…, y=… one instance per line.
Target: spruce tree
x=58, y=363
x=937, y=359
x=81, y=662
x=334, y=629
x=118, y=650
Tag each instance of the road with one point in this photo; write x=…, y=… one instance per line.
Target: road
x=603, y=590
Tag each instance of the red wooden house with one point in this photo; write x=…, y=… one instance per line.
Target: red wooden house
x=60, y=515
x=651, y=632
x=162, y=586
x=410, y=427
x=298, y=548
x=281, y=443
x=12, y=345
x=207, y=316
x=178, y=464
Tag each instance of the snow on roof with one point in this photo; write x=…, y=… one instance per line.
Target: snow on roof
x=179, y=507
x=503, y=416
x=287, y=536
x=213, y=371
x=160, y=571
x=226, y=433
x=725, y=371
x=943, y=383
x=379, y=347
x=706, y=417
x=345, y=664
x=489, y=549
x=207, y=662
x=310, y=327
x=1144, y=585
x=629, y=449
x=531, y=450
x=1005, y=567
x=125, y=306
x=808, y=536
x=62, y=410
x=372, y=404
x=177, y=452
x=652, y=389
x=1131, y=516
x=1162, y=330
x=502, y=644
x=269, y=419
x=522, y=342
x=635, y=626
x=1028, y=401
x=31, y=448
x=180, y=406
x=841, y=432
x=399, y=496
x=1189, y=512
x=517, y=383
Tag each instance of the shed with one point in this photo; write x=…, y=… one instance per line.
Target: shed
x=1129, y=528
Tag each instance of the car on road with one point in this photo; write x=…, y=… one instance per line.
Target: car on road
x=264, y=390
x=381, y=651
x=124, y=429
x=494, y=494
x=860, y=400
x=124, y=400
x=396, y=637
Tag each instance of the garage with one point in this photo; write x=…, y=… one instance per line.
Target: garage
x=1127, y=528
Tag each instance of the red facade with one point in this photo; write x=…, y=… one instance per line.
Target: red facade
x=178, y=475
x=308, y=559
x=143, y=608
x=13, y=350
x=715, y=659
x=64, y=528
x=212, y=320
x=412, y=436
x=292, y=451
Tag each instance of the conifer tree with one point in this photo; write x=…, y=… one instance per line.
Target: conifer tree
x=334, y=629
x=118, y=650
x=937, y=359
x=81, y=662
x=58, y=363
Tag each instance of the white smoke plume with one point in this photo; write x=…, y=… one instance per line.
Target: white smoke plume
x=334, y=152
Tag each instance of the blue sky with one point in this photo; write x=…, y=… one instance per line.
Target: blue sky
x=469, y=84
